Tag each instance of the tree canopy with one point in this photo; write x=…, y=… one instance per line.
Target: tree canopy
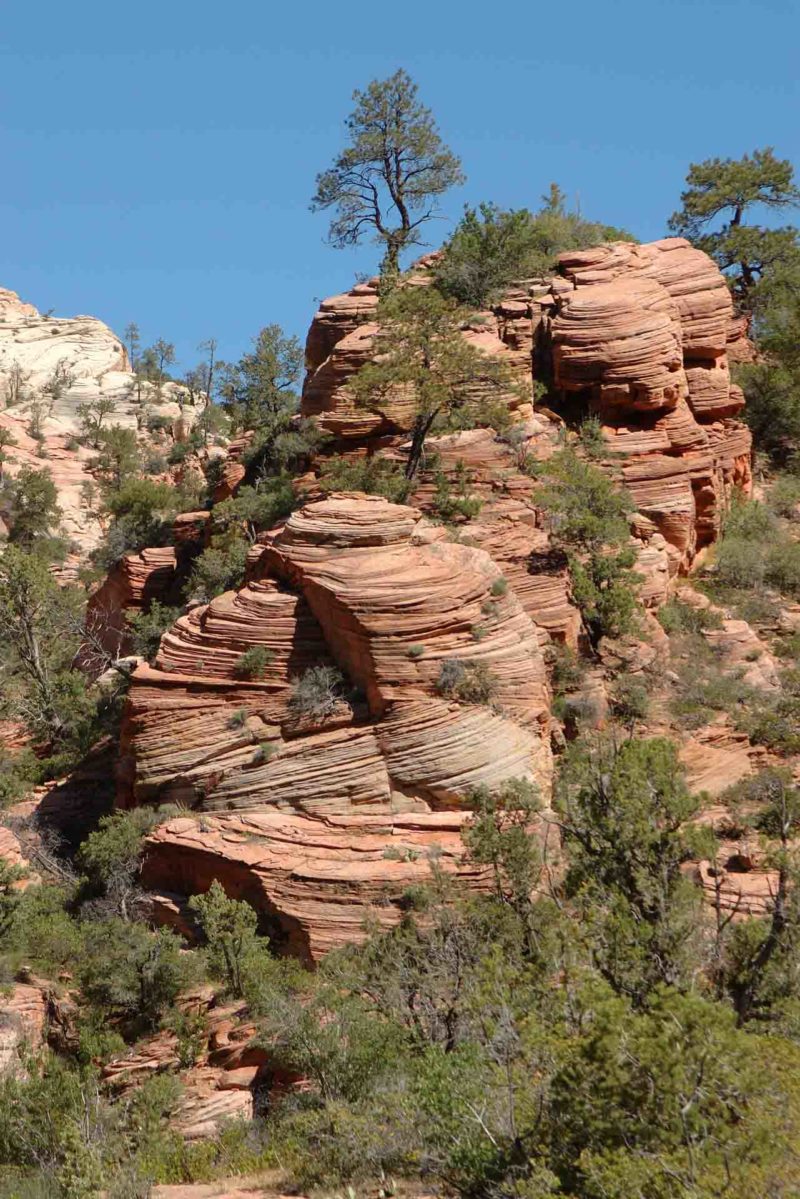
x=386, y=181
x=727, y=190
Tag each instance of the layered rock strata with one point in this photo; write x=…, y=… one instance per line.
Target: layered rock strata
x=372, y=587
x=641, y=334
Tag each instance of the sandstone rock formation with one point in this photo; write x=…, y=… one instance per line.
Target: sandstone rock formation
x=639, y=334
x=373, y=587
x=23, y=1016
x=48, y=366
x=218, y=1086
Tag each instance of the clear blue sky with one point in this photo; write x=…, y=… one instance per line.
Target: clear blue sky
x=158, y=158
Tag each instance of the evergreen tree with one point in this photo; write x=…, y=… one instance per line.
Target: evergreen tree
x=388, y=178
x=726, y=190
x=421, y=353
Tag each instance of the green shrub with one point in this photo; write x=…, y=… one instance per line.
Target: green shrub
x=589, y=519
x=782, y=569
x=373, y=475
x=740, y=562
x=471, y=682
x=491, y=248
x=784, y=496
x=452, y=504
x=591, y=437
x=415, y=651
x=131, y=974
x=630, y=699
x=499, y=587
x=218, y=569
x=230, y=929
x=253, y=663
x=147, y=628
x=676, y=616
x=178, y=453
x=705, y=689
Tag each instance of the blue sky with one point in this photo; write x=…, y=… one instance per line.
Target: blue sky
x=158, y=158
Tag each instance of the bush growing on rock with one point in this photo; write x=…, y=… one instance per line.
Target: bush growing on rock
x=33, y=510
x=630, y=700
x=131, y=974
x=147, y=628
x=372, y=475
x=492, y=248
x=229, y=927
x=317, y=693
x=252, y=663
x=141, y=515
x=420, y=350
x=589, y=517
x=471, y=682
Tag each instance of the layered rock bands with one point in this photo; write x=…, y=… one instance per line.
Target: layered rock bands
x=320, y=820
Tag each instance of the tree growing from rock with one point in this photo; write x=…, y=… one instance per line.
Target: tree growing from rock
x=589, y=518
x=491, y=248
x=91, y=414
x=387, y=180
x=727, y=190
x=421, y=353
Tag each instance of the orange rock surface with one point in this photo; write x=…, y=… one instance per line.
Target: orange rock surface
x=373, y=587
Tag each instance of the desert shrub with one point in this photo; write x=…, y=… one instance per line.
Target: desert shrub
x=782, y=570
x=471, y=682
x=675, y=616
x=158, y=423
x=317, y=692
x=415, y=651
x=783, y=497
x=235, y=952
x=740, y=562
x=178, y=452
x=589, y=518
x=591, y=438
x=154, y=463
x=253, y=663
x=110, y=858
x=373, y=475
x=491, y=248
x=141, y=515
x=624, y=811
x=131, y=974
x=147, y=628
x=704, y=689
x=452, y=501
x=263, y=753
x=219, y=568
x=568, y=670
x=630, y=699
x=774, y=722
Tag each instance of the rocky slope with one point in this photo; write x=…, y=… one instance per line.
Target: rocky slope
x=320, y=821
x=50, y=365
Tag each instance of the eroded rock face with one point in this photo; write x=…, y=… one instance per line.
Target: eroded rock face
x=373, y=587
x=48, y=367
x=641, y=335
